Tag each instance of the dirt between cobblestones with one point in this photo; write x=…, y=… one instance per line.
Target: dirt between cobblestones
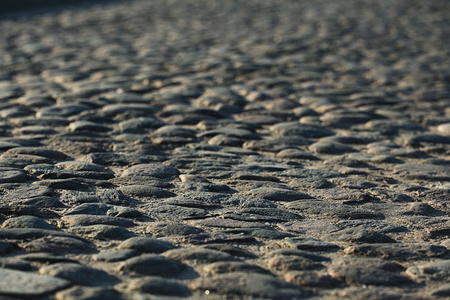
x=225, y=150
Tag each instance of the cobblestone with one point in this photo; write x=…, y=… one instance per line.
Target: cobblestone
x=224, y=149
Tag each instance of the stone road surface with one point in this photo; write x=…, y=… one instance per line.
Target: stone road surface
x=234, y=149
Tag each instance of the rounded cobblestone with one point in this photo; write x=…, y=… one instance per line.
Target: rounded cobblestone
x=224, y=149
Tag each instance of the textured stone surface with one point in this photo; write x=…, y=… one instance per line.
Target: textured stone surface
x=249, y=285
x=146, y=245
x=158, y=286
x=363, y=275
x=24, y=284
x=91, y=293
x=79, y=274
x=152, y=264
x=225, y=149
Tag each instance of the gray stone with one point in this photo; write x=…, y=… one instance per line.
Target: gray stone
x=225, y=140
x=427, y=139
x=296, y=129
x=276, y=144
x=422, y=209
x=12, y=175
x=358, y=235
x=7, y=247
x=198, y=255
x=158, y=286
x=308, y=183
x=62, y=110
x=222, y=94
x=436, y=270
x=8, y=145
x=240, y=94
x=79, y=274
x=86, y=126
x=299, y=253
x=345, y=196
x=115, y=159
x=416, y=171
x=309, y=244
x=152, y=170
x=88, y=293
x=124, y=212
x=14, y=162
x=217, y=238
x=24, y=159
x=104, y=198
x=247, y=201
x=27, y=222
x=399, y=252
x=259, y=166
x=386, y=195
x=25, y=285
x=8, y=90
x=32, y=233
x=152, y=265
x=44, y=258
x=260, y=233
x=377, y=263
x=444, y=129
x=262, y=215
x=375, y=293
x=31, y=208
x=276, y=194
x=345, y=160
x=232, y=266
x=368, y=276
x=210, y=199
x=85, y=220
x=310, y=173
x=34, y=131
x=283, y=264
x=15, y=264
x=383, y=148
x=146, y=245
x=232, y=250
x=309, y=227
x=311, y=279
x=392, y=127
x=228, y=223
x=330, y=147
x=89, y=209
x=140, y=124
x=132, y=109
x=442, y=291
x=345, y=119
x=141, y=180
x=292, y=153
x=230, y=131
x=102, y=232
x=116, y=255
x=124, y=97
x=175, y=212
x=323, y=208
x=38, y=151
x=161, y=229
x=376, y=225
x=146, y=191
x=59, y=244
x=240, y=284
x=258, y=119
x=63, y=184
x=173, y=134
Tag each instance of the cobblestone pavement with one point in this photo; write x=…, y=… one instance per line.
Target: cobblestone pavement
x=241, y=149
